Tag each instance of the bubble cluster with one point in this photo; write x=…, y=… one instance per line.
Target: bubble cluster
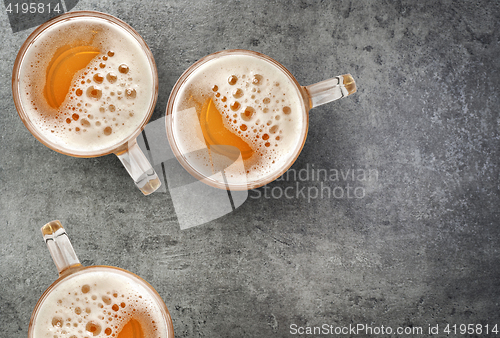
x=99, y=86
x=259, y=104
x=98, y=306
x=103, y=87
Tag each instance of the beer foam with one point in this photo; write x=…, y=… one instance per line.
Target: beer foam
x=258, y=102
x=98, y=304
x=107, y=101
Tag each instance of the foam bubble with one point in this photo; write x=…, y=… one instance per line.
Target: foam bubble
x=232, y=80
x=235, y=106
x=248, y=114
x=98, y=78
x=237, y=93
x=123, y=68
x=111, y=77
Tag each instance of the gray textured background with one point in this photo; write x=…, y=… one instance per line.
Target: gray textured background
x=421, y=248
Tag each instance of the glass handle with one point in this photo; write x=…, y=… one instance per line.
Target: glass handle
x=59, y=246
x=330, y=90
x=139, y=168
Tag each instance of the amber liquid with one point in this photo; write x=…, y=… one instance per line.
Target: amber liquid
x=66, y=62
x=216, y=133
x=132, y=329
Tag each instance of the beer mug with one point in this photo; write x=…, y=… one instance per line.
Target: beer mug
x=95, y=301
x=85, y=84
x=238, y=119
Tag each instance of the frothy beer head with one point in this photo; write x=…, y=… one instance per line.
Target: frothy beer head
x=243, y=101
x=85, y=85
x=100, y=302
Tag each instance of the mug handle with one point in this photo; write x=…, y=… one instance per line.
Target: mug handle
x=330, y=90
x=139, y=168
x=60, y=247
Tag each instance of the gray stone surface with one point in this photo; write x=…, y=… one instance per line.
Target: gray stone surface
x=420, y=248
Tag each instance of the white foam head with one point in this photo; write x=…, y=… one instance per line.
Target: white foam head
x=98, y=303
x=107, y=102
x=258, y=102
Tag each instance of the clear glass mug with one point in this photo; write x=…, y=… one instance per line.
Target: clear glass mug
x=70, y=50
x=260, y=102
x=95, y=301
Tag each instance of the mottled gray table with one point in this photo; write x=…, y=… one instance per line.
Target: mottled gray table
x=418, y=246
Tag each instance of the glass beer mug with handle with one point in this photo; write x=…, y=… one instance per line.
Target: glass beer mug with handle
x=238, y=119
x=95, y=301
x=85, y=84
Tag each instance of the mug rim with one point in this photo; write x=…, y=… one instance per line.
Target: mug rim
x=81, y=270
x=249, y=184
x=16, y=82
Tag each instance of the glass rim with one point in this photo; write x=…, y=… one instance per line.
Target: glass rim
x=16, y=82
x=213, y=182
x=83, y=269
